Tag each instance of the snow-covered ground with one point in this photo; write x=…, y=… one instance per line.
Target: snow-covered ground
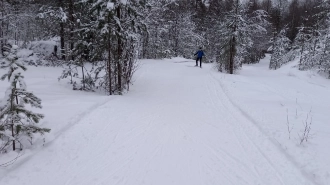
x=275, y=98
x=180, y=125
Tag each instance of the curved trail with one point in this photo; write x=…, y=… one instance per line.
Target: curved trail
x=176, y=127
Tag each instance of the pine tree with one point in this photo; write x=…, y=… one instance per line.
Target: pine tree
x=16, y=122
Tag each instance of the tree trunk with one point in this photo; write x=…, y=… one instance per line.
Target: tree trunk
x=109, y=60
x=71, y=12
x=109, y=69
x=233, y=44
x=62, y=33
x=12, y=121
x=176, y=38
x=2, y=26
x=145, y=46
x=119, y=53
x=13, y=134
x=62, y=40
x=16, y=23
x=156, y=48
x=232, y=55
x=83, y=75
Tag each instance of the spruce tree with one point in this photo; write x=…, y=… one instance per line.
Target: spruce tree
x=17, y=123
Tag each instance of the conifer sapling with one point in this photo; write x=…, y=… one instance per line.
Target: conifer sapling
x=16, y=121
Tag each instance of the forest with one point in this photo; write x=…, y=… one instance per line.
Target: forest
x=113, y=34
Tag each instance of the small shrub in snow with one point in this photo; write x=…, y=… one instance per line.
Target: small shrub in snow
x=86, y=82
x=305, y=133
x=289, y=126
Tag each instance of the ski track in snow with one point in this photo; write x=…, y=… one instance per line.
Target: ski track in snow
x=266, y=146
x=177, y=126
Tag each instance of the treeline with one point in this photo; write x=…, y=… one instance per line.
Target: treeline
x=117, y=32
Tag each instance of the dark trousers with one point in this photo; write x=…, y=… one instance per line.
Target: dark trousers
x=200, y=61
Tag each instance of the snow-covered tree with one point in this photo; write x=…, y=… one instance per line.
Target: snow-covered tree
x=280, y=47
x=56, y=13
x=302, y=43
x=181, y=29
x=171, y=30
x=315, y=51
x=322, y=45
x=237, y=32
x=110, y=33
x=75, y=67
x=17, y=123
x=260, y=40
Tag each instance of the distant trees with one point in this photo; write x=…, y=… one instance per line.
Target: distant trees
x=16, y=22
x=312, y=38
x=112, y=34
x=171, y=30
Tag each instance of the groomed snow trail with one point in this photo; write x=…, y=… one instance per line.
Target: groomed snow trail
x=175, y=127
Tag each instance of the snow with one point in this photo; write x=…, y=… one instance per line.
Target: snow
x=14, y=47
x=179, y=125
x=110, y=5
x=45, y=47
x=123, y=2
x=62, y=106
x=272, y=97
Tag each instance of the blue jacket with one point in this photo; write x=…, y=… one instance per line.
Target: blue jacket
x=199, y=53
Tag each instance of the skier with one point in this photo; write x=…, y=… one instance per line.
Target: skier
x=199, y=54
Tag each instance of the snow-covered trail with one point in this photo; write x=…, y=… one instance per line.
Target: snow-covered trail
x=175, y=127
